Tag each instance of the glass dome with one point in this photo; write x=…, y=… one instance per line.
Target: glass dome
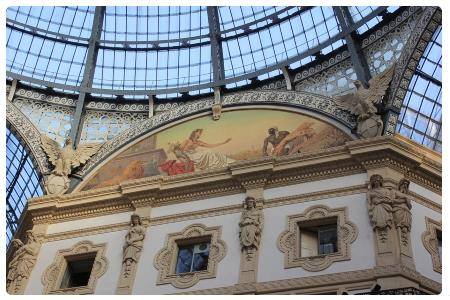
x=169, y=50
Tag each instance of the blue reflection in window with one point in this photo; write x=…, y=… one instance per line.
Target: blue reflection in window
x=192, y=258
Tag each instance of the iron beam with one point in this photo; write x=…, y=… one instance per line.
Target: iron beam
x=88, y=75
x=356, y=55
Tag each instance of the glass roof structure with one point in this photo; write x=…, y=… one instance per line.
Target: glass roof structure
x=131, y=54
x=170, y=50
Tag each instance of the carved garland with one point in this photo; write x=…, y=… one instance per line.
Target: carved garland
x=289, y=240
x=429, y=240
x=165, y=259
x=52, y=277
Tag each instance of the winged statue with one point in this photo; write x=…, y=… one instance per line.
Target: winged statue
x=362, y=102
x=65, y=160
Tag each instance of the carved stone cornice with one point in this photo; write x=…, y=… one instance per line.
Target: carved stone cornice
x=349, y=278
x=393, y=152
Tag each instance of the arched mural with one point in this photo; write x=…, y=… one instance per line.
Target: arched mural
x=202, y=143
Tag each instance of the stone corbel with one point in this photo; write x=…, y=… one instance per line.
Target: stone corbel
x=253, y=178
x=217, y=106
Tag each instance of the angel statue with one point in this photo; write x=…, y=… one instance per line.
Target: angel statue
x=64, y=160
x=362, y=103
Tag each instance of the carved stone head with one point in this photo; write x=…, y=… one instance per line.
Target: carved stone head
x=376, y=181
x=30, y=236
x=135, y=220
x=403, y=185
x=249, y=203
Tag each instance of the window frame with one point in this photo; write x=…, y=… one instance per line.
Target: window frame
x=54, y=274
x=289, y=240
x=166, y=258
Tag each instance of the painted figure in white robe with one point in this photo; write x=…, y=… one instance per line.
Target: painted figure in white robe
x=204, y=158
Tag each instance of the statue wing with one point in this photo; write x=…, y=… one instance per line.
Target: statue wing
x=51, y=148
x=83, y=153
x=349, y=102
x=379, y=84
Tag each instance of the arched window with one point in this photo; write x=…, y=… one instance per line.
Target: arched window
x=421, y=114
x=22, y=182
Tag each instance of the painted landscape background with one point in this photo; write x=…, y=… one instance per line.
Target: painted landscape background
x=238, y=135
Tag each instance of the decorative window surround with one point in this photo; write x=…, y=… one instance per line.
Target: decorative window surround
x=53, y=275
x=429, y=240
x=289, y=240
x=165, y=260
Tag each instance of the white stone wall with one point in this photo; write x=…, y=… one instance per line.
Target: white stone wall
x=422, y=257
x=271, y=263
x=271, y=259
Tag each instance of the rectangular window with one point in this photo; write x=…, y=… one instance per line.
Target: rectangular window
x=78, y=271
x=318, y=239
x=192, y=257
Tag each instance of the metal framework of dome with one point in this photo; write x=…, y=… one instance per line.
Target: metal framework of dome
x=132, y=56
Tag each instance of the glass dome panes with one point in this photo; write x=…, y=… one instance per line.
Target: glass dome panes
x=75, y=22
x=22, y=182
x=421, y=113
x=166, y=50
x=298, y=33
x=154, y=23
x=44, y=59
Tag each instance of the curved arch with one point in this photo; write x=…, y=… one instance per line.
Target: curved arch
x=23, y=181
x=408, y=61
x=29, y=135
x=317, y=103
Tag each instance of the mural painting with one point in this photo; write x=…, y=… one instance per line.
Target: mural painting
x=202, y=144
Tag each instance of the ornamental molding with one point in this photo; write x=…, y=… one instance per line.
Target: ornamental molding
x=344, y=55
x=289, y=240
x=380, y=33
x=33, y=95
x=425, y=27
x=303, y=100
x=354, y=157
x=166, y=258
x=53, y=275
x=351, y=280
x=37, y=96
x=28, y=134
x=429, y=241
